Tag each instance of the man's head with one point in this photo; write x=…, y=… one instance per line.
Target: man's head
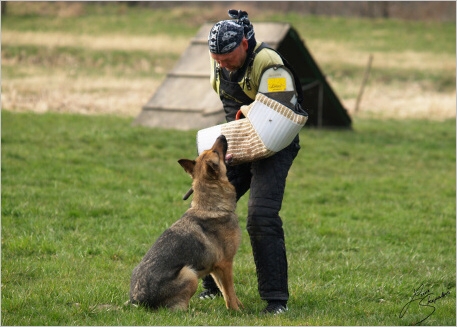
x=225, y=36
x=228, y=40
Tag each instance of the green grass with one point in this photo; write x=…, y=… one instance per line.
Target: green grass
x=375, y=34
x=369, y=215
x=363, y=33
x=96, y=19
x=359, y=35
x=86, y=62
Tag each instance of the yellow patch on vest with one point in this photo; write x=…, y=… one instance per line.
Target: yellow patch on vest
x=276, y=84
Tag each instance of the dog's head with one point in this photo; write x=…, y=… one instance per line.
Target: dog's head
x=210, y=164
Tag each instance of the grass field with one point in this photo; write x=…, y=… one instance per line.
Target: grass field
x=369, y=214
x=110, y=59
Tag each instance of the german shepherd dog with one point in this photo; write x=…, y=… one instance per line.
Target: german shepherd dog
x=203, y=241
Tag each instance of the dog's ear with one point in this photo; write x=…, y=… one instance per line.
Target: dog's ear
x=188, y=165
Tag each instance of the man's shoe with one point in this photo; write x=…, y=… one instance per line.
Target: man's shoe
x=209, y=294
x=275, y=308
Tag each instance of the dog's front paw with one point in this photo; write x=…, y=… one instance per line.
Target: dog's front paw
x=129, y=303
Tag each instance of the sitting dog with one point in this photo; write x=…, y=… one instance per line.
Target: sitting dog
x=203, y=241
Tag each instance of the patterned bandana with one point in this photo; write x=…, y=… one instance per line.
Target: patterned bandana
x=225, y=36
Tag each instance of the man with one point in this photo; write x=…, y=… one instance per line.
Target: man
x=237, y=64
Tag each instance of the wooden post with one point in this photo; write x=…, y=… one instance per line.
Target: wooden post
x=365, y=79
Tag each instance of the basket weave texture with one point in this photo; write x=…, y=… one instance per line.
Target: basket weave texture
x=245, y=143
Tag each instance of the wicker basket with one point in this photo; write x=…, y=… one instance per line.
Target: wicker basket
x=268, y=128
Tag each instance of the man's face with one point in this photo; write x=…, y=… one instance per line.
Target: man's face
x=234, y=60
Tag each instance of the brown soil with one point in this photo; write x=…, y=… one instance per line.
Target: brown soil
x=60, y=91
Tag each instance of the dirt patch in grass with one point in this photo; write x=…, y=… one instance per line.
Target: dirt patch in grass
x=384, y=101
x=58, y=90
x=60, y=93
x=339, y=52
x=113, y=42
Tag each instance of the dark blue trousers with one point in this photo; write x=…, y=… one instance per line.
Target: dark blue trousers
x=266, y=180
